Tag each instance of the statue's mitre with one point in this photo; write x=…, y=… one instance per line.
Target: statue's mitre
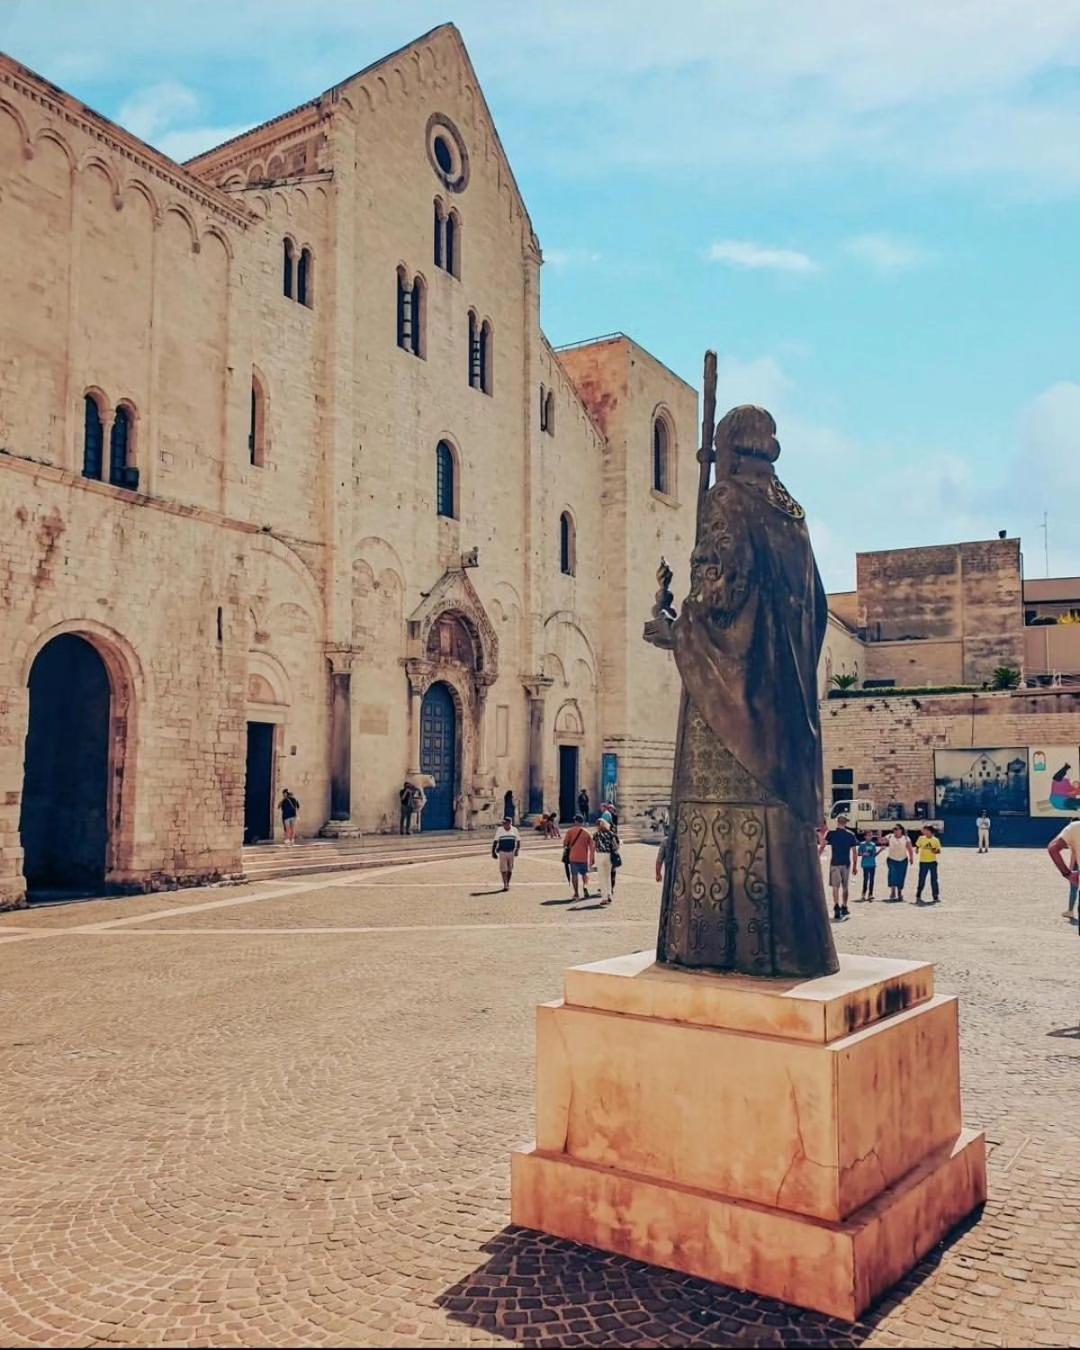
x=748, y=430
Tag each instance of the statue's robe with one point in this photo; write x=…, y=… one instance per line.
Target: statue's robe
x=743, y=888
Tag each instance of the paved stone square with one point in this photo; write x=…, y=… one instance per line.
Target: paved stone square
x=283, y=1113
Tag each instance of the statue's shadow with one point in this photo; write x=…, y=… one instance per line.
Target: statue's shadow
x=539, y=1290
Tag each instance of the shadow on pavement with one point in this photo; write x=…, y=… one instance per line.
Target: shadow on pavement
x=1066, y=1033
x=541, y=1290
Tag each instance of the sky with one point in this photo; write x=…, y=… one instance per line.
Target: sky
x=869, y=211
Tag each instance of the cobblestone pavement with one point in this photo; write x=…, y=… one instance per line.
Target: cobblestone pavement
x=282, y=1114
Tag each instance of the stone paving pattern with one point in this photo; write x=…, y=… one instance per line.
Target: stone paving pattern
x=283, y=1114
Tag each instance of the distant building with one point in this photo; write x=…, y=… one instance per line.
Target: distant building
x=923, y=621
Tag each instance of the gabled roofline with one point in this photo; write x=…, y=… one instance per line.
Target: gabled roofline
x=314, y=102
x=70, y=109
x=331, y=95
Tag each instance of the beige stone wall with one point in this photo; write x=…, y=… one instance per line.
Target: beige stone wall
x=625, y=389
x=1052, y=648
x=841, y=654
x=966, y=599
x=161, y=287
x=890, y=742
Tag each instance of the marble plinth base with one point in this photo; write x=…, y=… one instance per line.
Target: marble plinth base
x=802, y=1139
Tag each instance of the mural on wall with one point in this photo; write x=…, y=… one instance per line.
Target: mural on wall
x=989, y=779
x=1054, y=780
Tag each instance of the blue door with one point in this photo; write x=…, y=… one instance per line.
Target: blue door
x=438, y=756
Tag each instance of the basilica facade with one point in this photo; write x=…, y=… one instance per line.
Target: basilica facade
x=297, y=495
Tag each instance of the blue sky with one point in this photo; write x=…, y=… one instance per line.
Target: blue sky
x=869, y=210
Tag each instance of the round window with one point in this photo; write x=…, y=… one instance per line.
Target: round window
x=447, y=153
x=444, y=156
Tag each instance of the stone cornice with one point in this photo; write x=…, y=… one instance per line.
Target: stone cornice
x=64, y=107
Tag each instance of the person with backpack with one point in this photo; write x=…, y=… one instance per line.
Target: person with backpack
x=289, y=807
x=579, y=853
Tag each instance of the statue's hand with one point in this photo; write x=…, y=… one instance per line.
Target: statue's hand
x=658, y=631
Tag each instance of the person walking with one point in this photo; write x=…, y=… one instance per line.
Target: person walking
x=509, y=805
x=869, y=847
x=583, y=804
x=606, y=844
x=1068, y=841
x=899, y=855
x=928, y=848
x=290, y=809
x=983, y=826
x=579, y=853
x=841, y=864
x=405, y=797
x=505, y=847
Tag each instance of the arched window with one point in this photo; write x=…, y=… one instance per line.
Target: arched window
x=119, y=446
x=404, y=311
x=474, y=350
x=549, y=413
x=440, y=233
x=419, y=316
x=444, y=480
x=567, y=544
x=93, y=437
x=304, y=278
x=486, y=356
x=287, y=277
x=257, y=423
x=661, y=455
x=452, y=231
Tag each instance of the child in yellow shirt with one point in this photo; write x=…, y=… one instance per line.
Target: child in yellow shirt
x=928, y=847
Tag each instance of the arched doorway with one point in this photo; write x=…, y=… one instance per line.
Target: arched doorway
x=439, y=755
x=64, y=823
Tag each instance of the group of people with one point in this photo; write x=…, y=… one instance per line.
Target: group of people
x=583, y=850
x=849, y=851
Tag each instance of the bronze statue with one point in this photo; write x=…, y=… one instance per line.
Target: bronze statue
x=742, y=886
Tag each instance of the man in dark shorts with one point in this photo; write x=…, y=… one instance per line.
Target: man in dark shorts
x=842, y=863
x=579, y=852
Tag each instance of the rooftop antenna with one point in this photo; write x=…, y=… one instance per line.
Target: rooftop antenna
x=1045, y=527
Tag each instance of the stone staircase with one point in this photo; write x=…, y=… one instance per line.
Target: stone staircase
x=263, y=862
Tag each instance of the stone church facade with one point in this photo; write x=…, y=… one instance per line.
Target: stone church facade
x=296, y=493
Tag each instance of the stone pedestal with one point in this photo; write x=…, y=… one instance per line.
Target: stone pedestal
x=801, y=1139
x=340, y=829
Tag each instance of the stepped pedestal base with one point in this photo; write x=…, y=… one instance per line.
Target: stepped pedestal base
x=799, y=1139
x=340, y=829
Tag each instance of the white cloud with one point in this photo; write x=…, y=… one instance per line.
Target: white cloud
x=570, y=257
x=191, y=141
x=886, y=252
x=749, y=256
x=151, y=110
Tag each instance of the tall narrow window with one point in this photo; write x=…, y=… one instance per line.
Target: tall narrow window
x=661, y=472
x=404, y=312
x=543, y=408
x=444, y=480
x=549, y=413
x=485, y=357
x=439, y=233
x=452, y=233
x=119, y=441
x=474, y=351
x=93, y=438
x=257, y=424
x=567, y=544
x=419, y=316
x=304, y=277
x=287, y=273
